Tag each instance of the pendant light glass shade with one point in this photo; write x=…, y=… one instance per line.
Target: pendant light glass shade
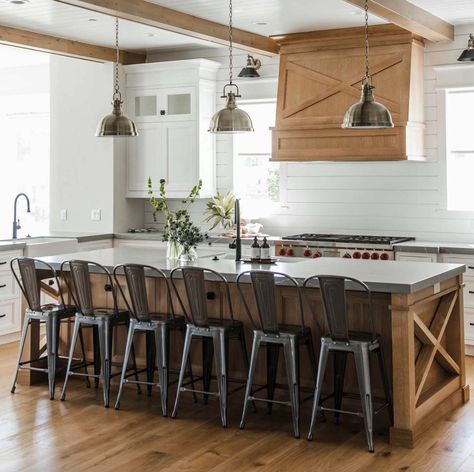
x=116, y=124
x=468, y=53
x=230, y=119
x=250, y=70
x=367, y=113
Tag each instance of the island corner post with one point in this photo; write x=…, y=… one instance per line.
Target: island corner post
x=422, y=335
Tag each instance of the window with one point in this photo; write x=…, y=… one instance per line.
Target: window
x=256, y=179
x=25, y=125
x=459, y=149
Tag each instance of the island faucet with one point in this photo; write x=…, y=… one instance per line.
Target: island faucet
x=237, y=243
x=16, y=223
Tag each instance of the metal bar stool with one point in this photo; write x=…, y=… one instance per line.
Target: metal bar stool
x=215, y=334
x=102, y=320
x=151, y=323
x=274, y=335
x=28, y=274
x=342, y=341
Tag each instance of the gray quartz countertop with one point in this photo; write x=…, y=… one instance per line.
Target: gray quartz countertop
x=435, y=247
x=380, y=276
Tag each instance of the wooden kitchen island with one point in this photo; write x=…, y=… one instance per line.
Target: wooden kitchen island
x=419, y=315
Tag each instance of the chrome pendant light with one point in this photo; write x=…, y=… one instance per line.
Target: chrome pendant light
x=116, y=124
x=230, y=119
x=468, y=53
x=367, y=113
x=250, y=70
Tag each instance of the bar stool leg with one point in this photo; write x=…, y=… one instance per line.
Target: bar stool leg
x=273, y=351
x=161, y=363
x=51, y=327
x=97, y=362
x=84, y=360
x=361, y=355
x=312, y=358
x=207, y=355
x=323, y=359
x=151, y=356
x=190, y=368
x=219, y=360
x=386, y=383
x=75, y=333
x=289, y=351
x=105, y=331
x=248, y=388
x=24, y=330
x=187, y=345
x=128, y=346
x=245, y=355
x=340, y=360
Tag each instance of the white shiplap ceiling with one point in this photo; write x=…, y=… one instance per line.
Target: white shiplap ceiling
x=278, y=16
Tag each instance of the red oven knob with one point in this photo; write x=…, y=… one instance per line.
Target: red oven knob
x=356, y=255
x=365, y=255
x=290, y=252
x=282, y=252
x=307, y=252
x=384, y=256
x=374, y=256
x=347, y=256
x=316, y=255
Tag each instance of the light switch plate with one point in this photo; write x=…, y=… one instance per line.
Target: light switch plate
x=63, y=214
x=95, y=214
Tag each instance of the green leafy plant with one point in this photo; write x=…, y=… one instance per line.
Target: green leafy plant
x=220, y=210
x=178, y=221
x=188, y=236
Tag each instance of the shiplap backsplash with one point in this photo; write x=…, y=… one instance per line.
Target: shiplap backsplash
x=396, y=198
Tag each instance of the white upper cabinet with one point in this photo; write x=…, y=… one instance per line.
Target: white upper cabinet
x=172, y=104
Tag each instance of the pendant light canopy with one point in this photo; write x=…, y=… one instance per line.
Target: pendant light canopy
x=250, y=70
x=116, y=124
x=468, y=53
x=230, y=119
x=367, y=113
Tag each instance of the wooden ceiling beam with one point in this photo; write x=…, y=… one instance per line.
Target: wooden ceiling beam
x=410, y=17
x=151, y=14
x=65, y=47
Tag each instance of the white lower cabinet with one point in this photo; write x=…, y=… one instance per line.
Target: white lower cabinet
x=10, y=298
x=145, y=243
x=95, y=245
x=416, y=257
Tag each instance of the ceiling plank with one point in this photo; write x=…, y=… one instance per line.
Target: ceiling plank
x=151, y=14
x=410, y=17
x=66, y=47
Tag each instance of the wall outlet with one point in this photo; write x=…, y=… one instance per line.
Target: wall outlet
x=95, y=214
x=63, y=214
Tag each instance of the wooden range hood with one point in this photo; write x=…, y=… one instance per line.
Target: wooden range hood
x=319, y=78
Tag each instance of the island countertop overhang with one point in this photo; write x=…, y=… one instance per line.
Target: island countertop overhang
x=381, y=276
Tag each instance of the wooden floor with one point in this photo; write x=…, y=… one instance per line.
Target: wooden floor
x=37, y=434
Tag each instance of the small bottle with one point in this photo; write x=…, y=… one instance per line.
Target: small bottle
x=265, y=250
x=255, y=249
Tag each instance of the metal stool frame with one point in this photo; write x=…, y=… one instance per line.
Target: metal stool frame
x=102, y=321
x=154, y=324
x=51, y=314
x=341, y=341
x=215, y=334
x=274, y=335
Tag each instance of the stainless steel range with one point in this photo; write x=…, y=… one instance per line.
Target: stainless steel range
x=338, y=245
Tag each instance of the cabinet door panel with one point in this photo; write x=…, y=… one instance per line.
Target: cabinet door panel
x=177, y=104
x=143, y=105
x=180, y=153
x=144, y=158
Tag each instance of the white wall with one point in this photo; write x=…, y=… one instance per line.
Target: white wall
x=397, y=198
x=86, y=172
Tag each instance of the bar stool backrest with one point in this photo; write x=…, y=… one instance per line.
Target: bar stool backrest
x=80, y=285
x=264, y=289
x=333, y=293
x=28, y=279
x=135, y=277
x=196, y=293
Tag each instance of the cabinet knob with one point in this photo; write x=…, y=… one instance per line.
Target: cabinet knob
x=162, y=112
x=3, y=316
x=3, y=285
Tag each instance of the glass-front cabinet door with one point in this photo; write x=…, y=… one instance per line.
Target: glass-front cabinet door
x=177, y=103
x=142, y=105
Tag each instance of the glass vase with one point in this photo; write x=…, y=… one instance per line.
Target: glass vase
x=173, y=250
x=187, y=254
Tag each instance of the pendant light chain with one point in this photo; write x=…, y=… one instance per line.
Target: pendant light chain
x=117, y=59
x=230, y=43
x=366, y=77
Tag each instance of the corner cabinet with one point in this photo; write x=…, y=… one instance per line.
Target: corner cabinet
x=172, y=104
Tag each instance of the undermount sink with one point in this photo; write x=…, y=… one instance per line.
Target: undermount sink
x=46, y=246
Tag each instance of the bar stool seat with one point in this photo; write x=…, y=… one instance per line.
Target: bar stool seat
x=120, y=315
